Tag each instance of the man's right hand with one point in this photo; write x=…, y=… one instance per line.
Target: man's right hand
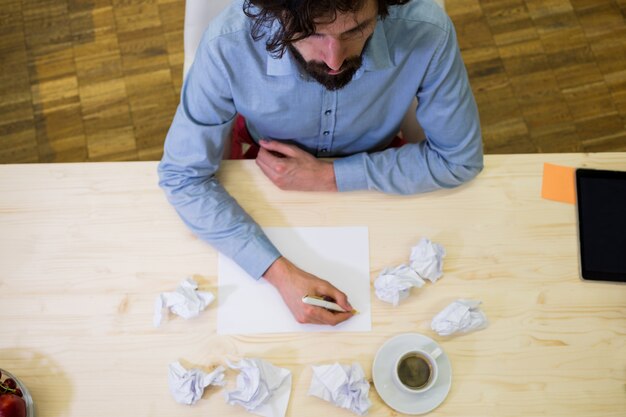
x=293, y=283
x=291, y=168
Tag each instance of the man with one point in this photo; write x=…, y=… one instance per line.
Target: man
x=318, y=78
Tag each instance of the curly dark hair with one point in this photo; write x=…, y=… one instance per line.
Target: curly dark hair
x=297, y=17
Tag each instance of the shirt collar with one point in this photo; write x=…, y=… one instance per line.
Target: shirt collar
x=376, y=56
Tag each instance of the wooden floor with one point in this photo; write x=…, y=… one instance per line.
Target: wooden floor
x=99, y=80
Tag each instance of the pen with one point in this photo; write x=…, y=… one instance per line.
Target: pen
x=320, y=302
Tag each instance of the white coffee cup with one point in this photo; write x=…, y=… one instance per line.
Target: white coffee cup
x=416, y=370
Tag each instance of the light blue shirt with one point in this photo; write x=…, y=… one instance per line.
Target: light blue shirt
x=413, y=52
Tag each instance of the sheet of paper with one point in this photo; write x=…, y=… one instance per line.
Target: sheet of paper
x=559, y=183
x=339, y=255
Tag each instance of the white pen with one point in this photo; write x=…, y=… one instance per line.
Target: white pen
x=320, y=302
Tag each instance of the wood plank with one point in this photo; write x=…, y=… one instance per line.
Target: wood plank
x=17, y=132
x=173, y=24
x=562, y=62
x=106, y=113
x=509, y=21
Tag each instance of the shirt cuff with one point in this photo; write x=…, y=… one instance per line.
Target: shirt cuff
x=256, y=256
x=350, y=173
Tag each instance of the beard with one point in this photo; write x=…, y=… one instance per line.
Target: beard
x=319, y=70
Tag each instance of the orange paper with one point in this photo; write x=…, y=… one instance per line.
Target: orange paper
x=559, y=183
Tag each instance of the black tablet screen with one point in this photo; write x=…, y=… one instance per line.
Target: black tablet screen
x=601, y=200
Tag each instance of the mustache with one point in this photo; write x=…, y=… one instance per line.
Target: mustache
x=319, y=71
x=351, y=63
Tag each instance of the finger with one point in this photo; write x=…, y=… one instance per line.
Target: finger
x=270, y=152
x=273, y=162
x=279, y=167
x=272, y=166
x=277, y=146
x=267, y=157
x=327, y=317
x=340, y=298
x=311, y=316
x=267, y=170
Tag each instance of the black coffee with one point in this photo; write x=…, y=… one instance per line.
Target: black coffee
x=414, y=371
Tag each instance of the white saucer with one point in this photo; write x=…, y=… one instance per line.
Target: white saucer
x=401, y=401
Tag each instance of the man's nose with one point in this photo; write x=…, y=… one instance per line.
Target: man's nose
x=334, y=54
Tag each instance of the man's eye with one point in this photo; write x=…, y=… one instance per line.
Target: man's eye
x=353, y=35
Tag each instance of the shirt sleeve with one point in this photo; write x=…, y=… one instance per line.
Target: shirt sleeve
x=193, y=150
x=452, y=152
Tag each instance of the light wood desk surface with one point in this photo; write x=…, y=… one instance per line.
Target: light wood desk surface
x=86, y=248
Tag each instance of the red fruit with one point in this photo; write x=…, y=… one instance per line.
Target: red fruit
x=10, y=382
x=12, y=406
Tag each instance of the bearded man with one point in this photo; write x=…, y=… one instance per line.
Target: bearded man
x=301, y=81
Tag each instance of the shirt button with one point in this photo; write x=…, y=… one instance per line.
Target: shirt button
x=326, y=133
x=327, y=112
x=324, y=150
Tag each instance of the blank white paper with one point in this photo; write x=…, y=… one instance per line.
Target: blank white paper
x=339, y=255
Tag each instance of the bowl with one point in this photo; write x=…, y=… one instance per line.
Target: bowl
x=30, y=408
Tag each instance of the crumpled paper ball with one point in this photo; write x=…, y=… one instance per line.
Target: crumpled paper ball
x=427, y=259
x=461, y=316
x=394, y=284
x=187, y=386
x=262, y=388
x=186, y=301
x=342, y=385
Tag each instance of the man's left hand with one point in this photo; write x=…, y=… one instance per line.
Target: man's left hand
x=291, y=168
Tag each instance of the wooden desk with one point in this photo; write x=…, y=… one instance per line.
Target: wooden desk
x=86, y=248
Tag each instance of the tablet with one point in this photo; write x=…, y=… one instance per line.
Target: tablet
x=601, y=204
